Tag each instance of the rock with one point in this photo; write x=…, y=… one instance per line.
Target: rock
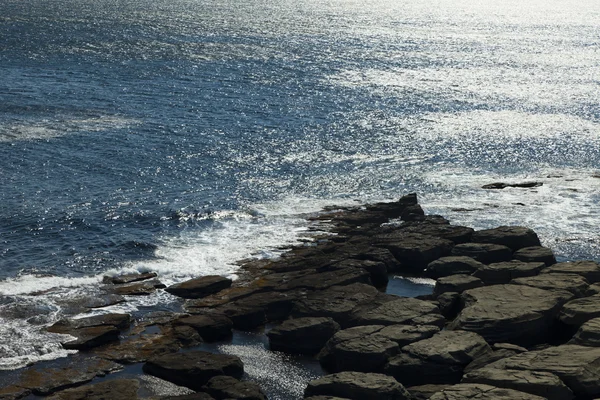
x=539, y=383
x=104, y=300
x=134, y=277
x=115, y=389
x=588, y=334
x=326, y=279
x=535, y=254
x=91, y=331
x=242, y=317
x=449, y=304
x=457, y=234
x=404, y=311
x=43, y=382
x=406, y=334
x=377, y=270
x=437, y=360
x=590, y=270
x=276, y=305
x=478, y=391
x=509, y=313
x=424, y=392
x=575, y=284
x=489, y=358
x=192, y=396
x=120, y=321
x=456, y=283
x=413, y=250
x=577, y=366
x=193, y=369
x=211, y=326
x=514, y=237
x=485, y=253
x=357, y=386
x=227, y=387
x=412, y=213
x=394, y=209
x=453, y=265
x=579, y=311
x=13, y=392
x=87, y=338
x=502, y=185
x=504, y=272
x=302, y=335
x=144, y=288
x=199, y=287
x=375, y=254
x=324, y=398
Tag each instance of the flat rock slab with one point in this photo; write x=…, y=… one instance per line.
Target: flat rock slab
x=358, y=386
x=577, y=366
x=134, y=277
x=87, y=338
x=404, y=311
x=210, y=326
x=572, y=283
x=485, y=253
x=199, y=287
x=120, y=321
x=509, y=313
x=227, y=387
x=455, y=233
x=424, y=392
x=579, y=311
x=437, y=360
x=504, y=272
x=456, y=283
x=13, y=392
x=116, y=389
x=590, y=270
x=414, y=250
x=452, y=265
x=302, y=335
x=104, y=300
x=539, y=383
x=91, y=331
x=407, y=334
x=588, y=334
x=478, y=391
x=514, y=237
x=377, y=270
x=193, y=369
x=143, y=288
x=326, y=279
x=536, y=254
x=46, y=381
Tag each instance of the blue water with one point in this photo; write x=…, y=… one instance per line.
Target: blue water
x=179, y=136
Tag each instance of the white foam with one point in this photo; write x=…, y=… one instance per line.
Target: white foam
x=32, y=284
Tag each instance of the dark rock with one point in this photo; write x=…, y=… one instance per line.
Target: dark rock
x=406, y=334
x=504, y=272
x=404, y=311
x=378, y=272
x=452, y=265
x=199, y=287
x=324, y=398
x=590, y=270
x=134, y=277
x=413, y=250
x=485, y=253
x=509, y=313
x=412, y=213
x=192, y=396
x=440, y=359
x=579, y=311
x=394, y=209
x=588, y=334
x=143, y=288
x=449, y=304
x=193, y=369
x=13, y=392
x=457, y=234
x=514, y=237
x=376, y=254
x=538, y=383
x=456, y=283
x=302, y=335
x=536, y=254
x=357, y=386
x=478, y=391
x=489, y=358
x=327, y=279
x=104, y=301
x=227, y=387
x=120, y=321
x=276, y=305
x=575, y=284
x=502, y=185
x=115, y=389
x=87, y=338
x=210, y=326
x=424, y=392
x=243, y=318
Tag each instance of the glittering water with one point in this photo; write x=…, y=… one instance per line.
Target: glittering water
x=182, y=135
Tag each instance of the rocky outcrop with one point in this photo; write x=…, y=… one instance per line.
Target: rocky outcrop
x=130, y=278
x=404, y=311
x=485, y=253
x=199, y=287
x=93, y=331
x=514, y=237
x=210, y=326
x=453, y=265
x=357, y=386
x=503, y=185
x=302, y=335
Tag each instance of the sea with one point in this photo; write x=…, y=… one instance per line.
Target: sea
x=181, y=136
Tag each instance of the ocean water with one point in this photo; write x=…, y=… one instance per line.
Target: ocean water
x=179, y=136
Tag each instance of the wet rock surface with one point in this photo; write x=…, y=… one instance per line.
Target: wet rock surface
x=227, y=387
x=479, y=391
x=358, y=386
x=302, y=335
x=117, y=389
x=199, y=287
x=452, y=265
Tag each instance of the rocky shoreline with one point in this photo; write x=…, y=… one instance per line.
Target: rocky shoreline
x=505, y=320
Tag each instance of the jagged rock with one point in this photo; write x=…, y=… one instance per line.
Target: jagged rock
x=575, y=284
x=210, y=326
x=538, y=383
x=456, y=283
x=115, y=389
x=535, y=254
x=577, y=366
x=588, y=334
x=504, y=272
x=134, y=277
x=357, y=386
x=227, y=387
x=437, y=360
x=514, y=237
x=193, y=369
x=199, y=287
x=502, y=185
x=43, y=382
x=579, y=311
x=478, y=391
x=590, y=270
x=302, y=335
x=452, y=265
x=485, y=253
x=414, y=250
x=404, y=311
x=449, y=304
x=412, y=213
x=509, y=313
x=424, y=392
